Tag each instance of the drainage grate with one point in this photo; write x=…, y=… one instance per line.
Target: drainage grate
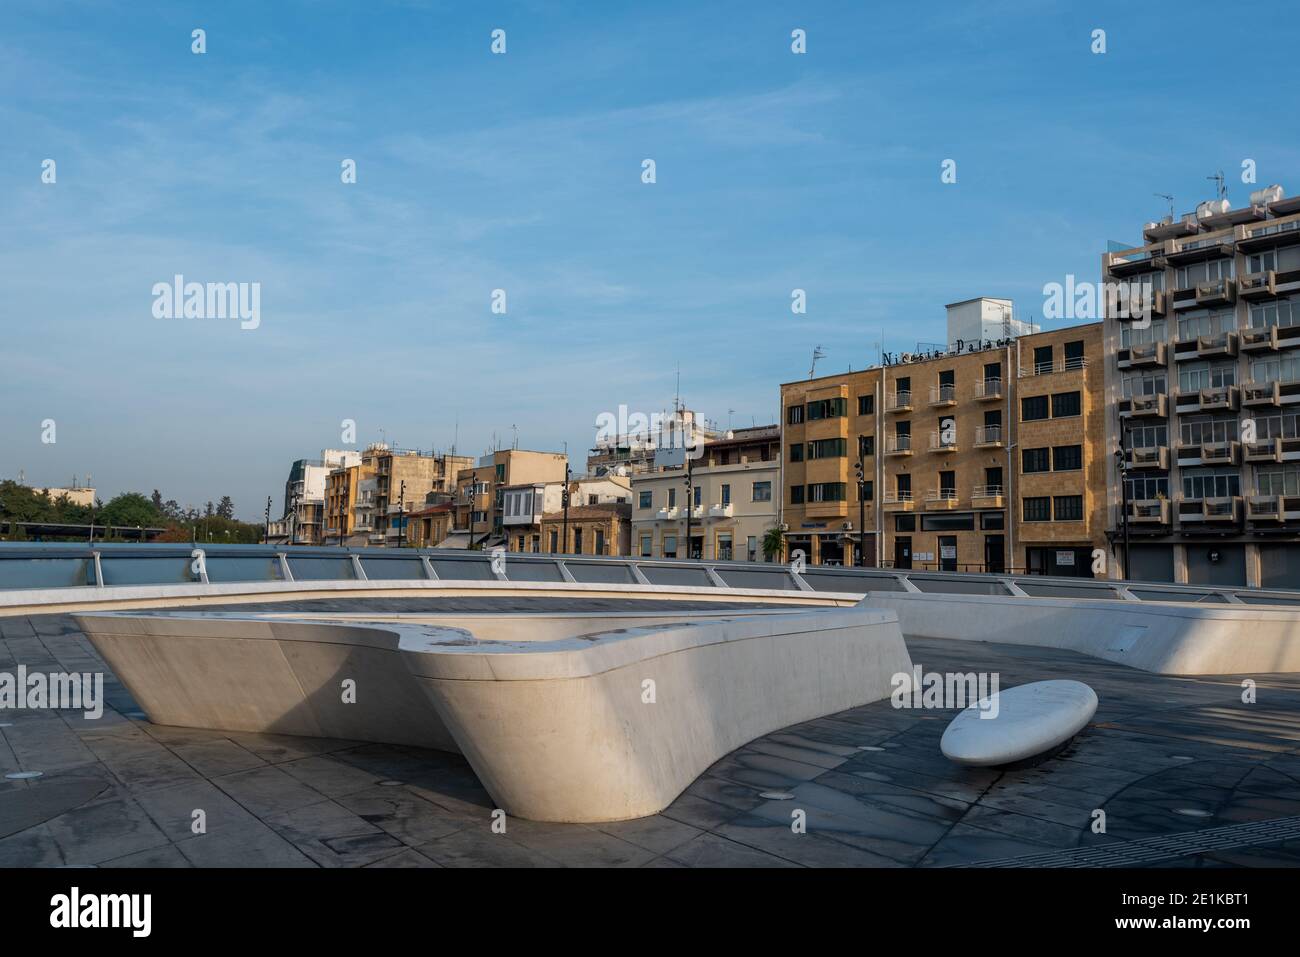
x=1152, y=850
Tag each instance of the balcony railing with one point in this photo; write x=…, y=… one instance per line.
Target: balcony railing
x=1148, y=406
x=898, y=501
x=988, y=436
x=1260, y=393
x=986, y=496
x=1151, y=511
x=1149, y=457
x=1073, y=364
x=941, y=395
x=898, y=445
x=898, y=401
x=943, y=441
x=941, y=498
x=990, y=388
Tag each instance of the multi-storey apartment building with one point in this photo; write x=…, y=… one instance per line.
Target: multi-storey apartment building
x=984, y=456
x=1205, y=392
x=403, y=478
x=734, y=500
x=525, y=505
x=304, y=495
x=628, y=452
x=480, y=492
x=603, y=529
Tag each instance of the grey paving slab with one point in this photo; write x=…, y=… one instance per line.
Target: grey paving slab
x=267, y=790
x=713, y=850
x=172, y=809
x=333, y=836
x=479, y=847
x=247, y=845
x=104, y=830
x=408, y=817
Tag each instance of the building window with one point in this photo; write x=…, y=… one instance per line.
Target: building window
x=724, y=547
x=646, y=500
x=751, y=548
x=827, y=449
x=1038, y=509
x=762, y=491
x=726, y=494
x=600, y=541
x=866, y=404
x=796, y=494
x=1067, y=458
x=794, y=415
x=796, y=452
x=646, y=545
x=1066, y=404
x=672, y=496
x=1069, y=508
x=1035, y=460
x=501, y=472
x=1033, y=407
x=866, y=446
x=827, y=409
x=868, y=491
x=555, y=539
x=826, y=492
x=670, y=546
x=696, y=493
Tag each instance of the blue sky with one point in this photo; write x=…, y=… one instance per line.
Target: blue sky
x=523, y=172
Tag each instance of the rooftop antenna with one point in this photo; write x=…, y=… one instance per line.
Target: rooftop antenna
x=1218, y=180
x=515, y=429
x=817, y=354
x=677, y=395
x=1168, y=199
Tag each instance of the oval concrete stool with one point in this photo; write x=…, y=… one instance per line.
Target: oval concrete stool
x=1026, y=720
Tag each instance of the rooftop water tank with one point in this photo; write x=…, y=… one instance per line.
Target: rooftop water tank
x=1269, y=194
x=1212, y=207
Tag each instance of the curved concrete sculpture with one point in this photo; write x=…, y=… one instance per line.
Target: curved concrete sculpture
x=573, y=718
x=1018, y=723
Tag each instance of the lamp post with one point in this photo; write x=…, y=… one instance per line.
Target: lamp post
x=564, y=500
x=860, y=468
x=690, y=505
x=268, y=520
x=401, y=514
x=1121, y=462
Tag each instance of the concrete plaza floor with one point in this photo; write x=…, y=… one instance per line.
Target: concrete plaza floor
x=1180, y=759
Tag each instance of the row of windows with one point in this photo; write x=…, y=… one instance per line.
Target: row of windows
x=838, y=407
x=1067, y=508
x=826, y=492
x=1061, y=404
x=1059, y=458
x=759, y=492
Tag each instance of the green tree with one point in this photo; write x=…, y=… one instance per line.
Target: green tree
x=130, y=509
x=225, y=508
x=773, y=541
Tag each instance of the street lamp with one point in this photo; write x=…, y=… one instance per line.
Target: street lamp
x=860, y=468
x=1122, y=464
x=401, y=514
x=564, y=499
x=690, y=505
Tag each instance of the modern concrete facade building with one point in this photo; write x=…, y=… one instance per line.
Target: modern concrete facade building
x=304, y=495
x=1206, y=395
x=989, y=458
x=735, y=492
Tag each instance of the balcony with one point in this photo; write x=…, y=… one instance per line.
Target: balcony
x=1263, y=450
x=943, y=441
x=943, y=396
x=722, y=511
x=1145, y=355
x=1134, y=301
x=1259, y=339
x=898, y=402
x=666, y=514
x=1201, y=250
x=986, y=496
x=1149, y=511
x=988, y=390
x=941, y=499
x=898, y=445
x=1219, y=453
x=988, y=437
x=1264, y=508
x=1221, y=398
x=1130, y=262
x=1216, y=292
x=1260, y=393
x=1258, y=285
x=1220, y=509
x=1073, y=364
x=1149, y=406
x=1270, y=235
x=900, y=501
x=1218, y=346
x=1149, y=457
